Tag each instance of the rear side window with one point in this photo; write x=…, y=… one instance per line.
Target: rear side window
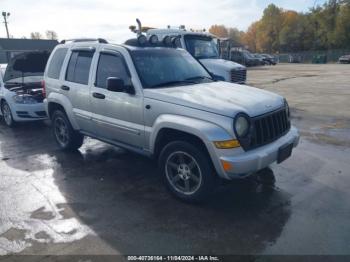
x=56, y=63
x=79, y=67
x=111, y=66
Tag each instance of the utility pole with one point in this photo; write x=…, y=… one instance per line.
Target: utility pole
x=6, y=15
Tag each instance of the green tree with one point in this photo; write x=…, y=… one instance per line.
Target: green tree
x=234, y=34
x=249, y=38
x=269, y=29
x=342, y=27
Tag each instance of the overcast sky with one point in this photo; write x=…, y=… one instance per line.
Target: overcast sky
x=110, y=19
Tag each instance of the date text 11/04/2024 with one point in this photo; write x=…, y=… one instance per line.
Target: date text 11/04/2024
x=173, y=258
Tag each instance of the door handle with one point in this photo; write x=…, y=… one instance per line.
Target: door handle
x=65, y=88
x=98, y=95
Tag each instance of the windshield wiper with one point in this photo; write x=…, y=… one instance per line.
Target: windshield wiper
x=13, y=83
x=207, y=57
x=171, y=83
x=199, y=78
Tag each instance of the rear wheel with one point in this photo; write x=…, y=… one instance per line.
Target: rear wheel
x=188, y=171
x=7, y=114
x=66, y=137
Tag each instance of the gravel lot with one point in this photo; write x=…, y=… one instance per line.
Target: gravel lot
x=102, y=200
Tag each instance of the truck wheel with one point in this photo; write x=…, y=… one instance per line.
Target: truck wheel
x=66, y=137
x=187, y=170
x=7, y=114
x=266, y=177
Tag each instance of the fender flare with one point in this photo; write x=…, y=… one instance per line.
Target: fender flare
x=206, y=131
x=65, y=103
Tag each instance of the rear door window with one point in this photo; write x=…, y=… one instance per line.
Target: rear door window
x=56, y=63
x=79, y=67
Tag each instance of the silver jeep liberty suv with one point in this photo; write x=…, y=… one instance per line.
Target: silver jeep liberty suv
x=157, y=100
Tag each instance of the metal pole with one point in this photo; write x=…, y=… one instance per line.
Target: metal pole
x=5, y=15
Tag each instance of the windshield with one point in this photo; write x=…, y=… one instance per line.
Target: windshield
x=167, y=67
x=26, y=67
x=201, y=47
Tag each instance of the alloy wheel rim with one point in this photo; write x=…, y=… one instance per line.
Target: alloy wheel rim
x=7, y=114
x=61, y=131
x=183, y=172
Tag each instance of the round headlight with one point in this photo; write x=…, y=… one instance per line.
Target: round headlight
x=142, y=39
x=241, y=126
x=153, y=39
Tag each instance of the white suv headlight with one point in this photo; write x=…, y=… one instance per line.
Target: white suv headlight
x=241, y=125
x=24, y=99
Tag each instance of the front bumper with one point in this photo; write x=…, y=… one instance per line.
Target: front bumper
x=28, y=112
x=254, y=160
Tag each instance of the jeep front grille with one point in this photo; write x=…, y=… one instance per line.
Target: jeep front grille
x=238, y=75
x=267, y=128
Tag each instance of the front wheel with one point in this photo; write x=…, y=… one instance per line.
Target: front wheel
x=188, y=171
x=7, y=114
x=66, y=137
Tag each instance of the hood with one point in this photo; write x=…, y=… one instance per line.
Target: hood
x=222, y=98
x=215, y=64
x=26, y=65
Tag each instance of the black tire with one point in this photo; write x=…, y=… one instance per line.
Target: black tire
x=200, y=172
x=7, y=114
x=266, y=177
x=66, y=137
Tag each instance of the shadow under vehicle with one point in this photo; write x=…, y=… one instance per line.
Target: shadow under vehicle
x=118, y=196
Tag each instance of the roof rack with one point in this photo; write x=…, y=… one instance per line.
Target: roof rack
x=100, y=40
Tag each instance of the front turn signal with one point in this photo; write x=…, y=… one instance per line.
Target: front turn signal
x=227, y=144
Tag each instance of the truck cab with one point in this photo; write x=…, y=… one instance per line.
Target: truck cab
x=203, y=47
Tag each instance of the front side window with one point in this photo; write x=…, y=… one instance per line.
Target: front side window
x=110, y=65
x=201, y=47
x=56, y=63
x=79, y=67
x=167, y=67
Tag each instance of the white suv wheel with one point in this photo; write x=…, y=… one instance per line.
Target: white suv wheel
x=7, y=114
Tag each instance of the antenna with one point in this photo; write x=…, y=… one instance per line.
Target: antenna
x=139, y=31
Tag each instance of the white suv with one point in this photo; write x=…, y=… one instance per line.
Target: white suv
x=161, y=102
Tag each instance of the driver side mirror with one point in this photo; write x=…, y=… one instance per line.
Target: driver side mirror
x=116, y=84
